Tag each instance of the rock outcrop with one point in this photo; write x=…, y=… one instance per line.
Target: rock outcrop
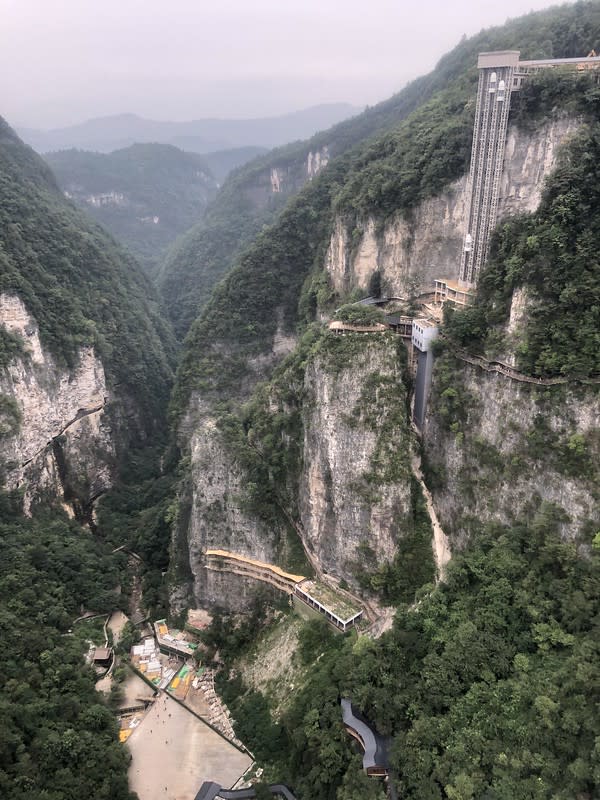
x=352, y=505
x=516, y=446
x=64, y=443
x=412, y=252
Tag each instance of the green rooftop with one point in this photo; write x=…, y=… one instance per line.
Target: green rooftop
x=333, y=601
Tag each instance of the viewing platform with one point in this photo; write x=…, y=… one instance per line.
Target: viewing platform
x=453, y=292
x=333, y=606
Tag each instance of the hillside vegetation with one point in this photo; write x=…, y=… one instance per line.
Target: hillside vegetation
x=159, y=191
x=489, y=688
x=484, y=682
x=391, y=172
x=77, y=283
x=59, y=740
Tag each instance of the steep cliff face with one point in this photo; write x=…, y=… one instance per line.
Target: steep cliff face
x=83, y=371
x=355, y=483
x=214, y=506
x=411, y=251
x=218, y=518
x=497, y=448
x=64, y=443
x=329, y=442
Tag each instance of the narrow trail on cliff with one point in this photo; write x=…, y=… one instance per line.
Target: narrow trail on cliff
x=81, y=414
x=511, y=372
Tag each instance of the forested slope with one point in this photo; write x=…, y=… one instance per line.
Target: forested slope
x=483, y=681
x=152, y=193
x=77, y=283
x=59, y=740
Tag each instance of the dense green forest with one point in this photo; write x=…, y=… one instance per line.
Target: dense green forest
x=58, y=740
x=203, y=255
x=78, y=284
x=155, y=180
x=489, y=686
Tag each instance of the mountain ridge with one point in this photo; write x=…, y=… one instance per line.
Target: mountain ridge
x=105, y=134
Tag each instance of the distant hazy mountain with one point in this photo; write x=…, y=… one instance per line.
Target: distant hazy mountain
x=106, y=134
x=222, y=162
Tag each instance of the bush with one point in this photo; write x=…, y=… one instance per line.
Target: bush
x=356, y=314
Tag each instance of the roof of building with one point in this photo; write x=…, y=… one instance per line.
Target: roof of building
x=425, y=323
x=102, y=653
x=498, y=58
x=210, y=790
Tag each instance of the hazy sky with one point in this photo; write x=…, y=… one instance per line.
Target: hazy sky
x=63, y=61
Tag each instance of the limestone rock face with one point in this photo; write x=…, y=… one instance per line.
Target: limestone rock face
x=353, y=491
x=348, y=517
x=510, y=451
x=64, y=442
x=411, y=253
x=216, y=518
